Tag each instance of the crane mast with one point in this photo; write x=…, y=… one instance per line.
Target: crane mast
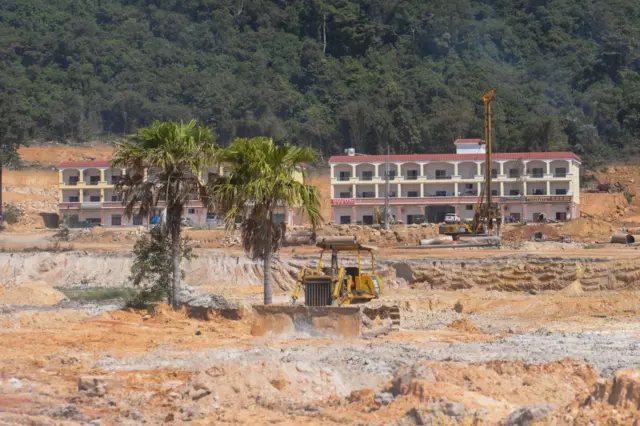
x=486, y=210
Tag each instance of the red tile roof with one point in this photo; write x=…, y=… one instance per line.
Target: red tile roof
x=456, y=157
x=459, y=141
x=84, y=164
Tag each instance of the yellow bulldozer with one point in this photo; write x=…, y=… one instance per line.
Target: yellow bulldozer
x=335, y=296
x=339, y=285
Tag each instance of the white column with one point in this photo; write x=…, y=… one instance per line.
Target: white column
x=502, y=168
x=502, y=188
x=524, y=188
x=455, y=189
x=478, y=168
x=376, y=186
x=333, y=173
x=399, y=194
x=455, y=170
x=548, y=168
x=479, y=187
x=353, y=191
x=377, y=174
x=81, y=177
x=548, y=187
x=398, y=169
x=353, y=170
x=421, y=190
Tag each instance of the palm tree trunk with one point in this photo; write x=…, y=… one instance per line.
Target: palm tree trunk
x=175, y=258
x=268, y=278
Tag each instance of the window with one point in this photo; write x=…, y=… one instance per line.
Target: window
x=392, y=194
x=191, y=211
x=561, y=191
x=278, y=217
x=116, y=220
x=345, y=220
x=345, y=195
x=93, y=220
x=468, y=186
x=238, y=219
x=73, y=180
x=93, y=180
x=441, y=174
x=538, y=192
x=116, y=198
x=494, y=173
x=368, y=194
x=537, y=173
x=514, y=173
x=367, y=175
x=115, y=180
x=94, y=198
x=74, y=199
x=515, y=217
x=561, y=216
x=195, y=196
x=468, y=207
x=441, y=193
x=412, y=194
x=367, y=220
x=344, y=176
x=514, y=192
x=560, y=172
x=392, y=174
x=494, y=192
x=412, y=175
x=212, y=176
x=137, y=220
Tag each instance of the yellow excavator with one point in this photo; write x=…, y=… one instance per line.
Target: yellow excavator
x=486, y=211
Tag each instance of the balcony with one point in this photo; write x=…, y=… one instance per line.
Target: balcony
x=443, y=177
x=343, y=178
x=411, y=177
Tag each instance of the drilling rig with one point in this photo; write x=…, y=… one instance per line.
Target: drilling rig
x=486, y=210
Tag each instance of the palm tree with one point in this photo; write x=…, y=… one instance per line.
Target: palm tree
x=262, y=180
x=164, y=162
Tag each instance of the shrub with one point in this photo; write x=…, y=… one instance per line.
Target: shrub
x=152, y=269
x=12, y=213
x=628, y=196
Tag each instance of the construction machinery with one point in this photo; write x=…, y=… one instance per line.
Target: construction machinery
x=335, y=296
x=335, y=284
x=487, y=212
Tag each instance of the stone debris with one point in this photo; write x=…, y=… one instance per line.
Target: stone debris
x=194, y=299
x=92, y=385
x=527, y=415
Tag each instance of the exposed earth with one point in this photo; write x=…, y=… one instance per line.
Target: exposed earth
x=532, y=333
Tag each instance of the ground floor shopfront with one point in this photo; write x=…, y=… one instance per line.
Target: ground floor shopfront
x=514, y=209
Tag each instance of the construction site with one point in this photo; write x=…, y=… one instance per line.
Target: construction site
x=540, y=330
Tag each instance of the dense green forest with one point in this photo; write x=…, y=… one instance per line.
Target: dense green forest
x=328, y=73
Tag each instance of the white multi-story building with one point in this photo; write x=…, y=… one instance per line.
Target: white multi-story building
x=87, y=194
x=527, y=185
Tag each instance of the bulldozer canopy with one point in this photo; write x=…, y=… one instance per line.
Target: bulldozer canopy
x=346, y=246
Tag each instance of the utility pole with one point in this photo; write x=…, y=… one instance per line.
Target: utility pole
x=387, y=213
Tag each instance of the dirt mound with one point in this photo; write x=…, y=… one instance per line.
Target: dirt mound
x=52, y=154
x=520, y=233
x=31, y=294
x=588, y=229
x=613, y=402
x=397, y=235
x=464, y=325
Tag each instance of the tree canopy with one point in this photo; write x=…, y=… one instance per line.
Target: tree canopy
x=327, y=73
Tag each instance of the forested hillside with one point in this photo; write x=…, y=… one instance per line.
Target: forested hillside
x=330, y=73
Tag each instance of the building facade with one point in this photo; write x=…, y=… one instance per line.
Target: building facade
x=87, y=194
x=528, y=186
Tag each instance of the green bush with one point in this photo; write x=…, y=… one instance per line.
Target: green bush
x=12, y=213
x=628, y=196
x=152, y=269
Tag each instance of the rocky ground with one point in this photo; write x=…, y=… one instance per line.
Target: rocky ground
x=469, y=357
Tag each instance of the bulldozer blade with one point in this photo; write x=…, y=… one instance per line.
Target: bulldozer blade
x=286, y=321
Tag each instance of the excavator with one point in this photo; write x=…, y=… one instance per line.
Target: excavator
x=487, y=212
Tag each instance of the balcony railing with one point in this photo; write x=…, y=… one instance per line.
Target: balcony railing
x=71, y=183
x=344, y=178
x=411, y=177
x=443, y=177
x=366, y=177
x=536, y=175
x=560, y=175
x=93, y=182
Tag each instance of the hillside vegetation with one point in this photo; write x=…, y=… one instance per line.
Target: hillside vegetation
x=330, y=73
